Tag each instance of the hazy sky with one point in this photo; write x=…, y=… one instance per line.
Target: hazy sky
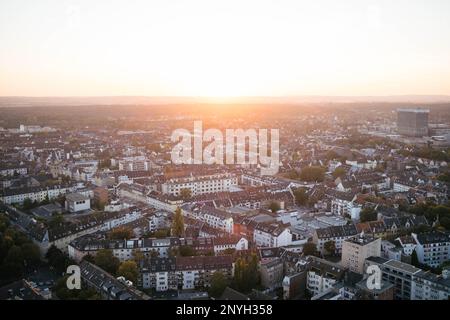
x=224, y=48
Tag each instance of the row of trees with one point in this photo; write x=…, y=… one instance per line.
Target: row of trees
x=121, y=233
x=18, y=255
x=108, y=262
x=178, y=224
x=368, y=214
x=246, y=277
x=313, y=174
x=433, y=212
x=310, y=174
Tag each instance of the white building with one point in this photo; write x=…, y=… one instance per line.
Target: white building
x=11, y=171
x=76, y=202
x=322, y=276
x=186, y=273
x=39, y=194
x=429, y=286
x=222, y=244
x=408, y=244
x=433, y=248
x=356, y=250
x=343, y=204
x=137, y=163
x=272, y=235
x=403, y=186
x=218, y=219
x=337, y=234
x=200, y=184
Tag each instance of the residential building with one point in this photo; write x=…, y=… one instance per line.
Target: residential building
x=272, y=235
x=433, y=248
x=107, y=285
x=76, y=202
x=39, y=194
x=185, y=273
x=429, y=286
x=322, y=275
x=272, y=273
x=398, y=273
x=200, y=184
x=337, y=234
x=356, y=250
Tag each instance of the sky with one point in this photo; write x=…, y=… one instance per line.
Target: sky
x=224, y=48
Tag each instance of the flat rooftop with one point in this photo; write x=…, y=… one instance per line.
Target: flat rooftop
x=361, y=240
x=76, y=197
x=402, y=266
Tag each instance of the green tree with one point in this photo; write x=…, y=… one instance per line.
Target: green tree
x=339, y=172
x=106, y=260
x=45, y=201
x=139, y=256
x=186, y=251
x=274, y=206
x=56, y=221
x=121, y=233
x=27, y=204
x=57, y=259
x=105, y=163
x=4, y=223
x=229, y=251
x=368, y=214
x=301, y=198
x=443, y=212
x=309, y=249
x=330, y=246
x=292, y=174
x=246, y=275
x=178, y=224
x=185, y=193
x=313, y=174
x=62, y=292
x=129, y=270
x=89, y=258
x=31, y=254
x=13, y=265
x=218, y=284
x=445, y=177
x=162, y=233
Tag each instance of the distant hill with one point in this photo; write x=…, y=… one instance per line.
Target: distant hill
x=147, y=100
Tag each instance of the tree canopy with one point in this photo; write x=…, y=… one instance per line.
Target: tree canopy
x=121, y=233
x=218, y=284
x=178, y=223
x=309, y=249
x=274, y=206
x=129, y=270
x=301, y=198
x=368, y=214
x=106, y=260
x=312, y=174
x=246, y=275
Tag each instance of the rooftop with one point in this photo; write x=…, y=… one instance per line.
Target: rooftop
x=402, y=266
x=74, y=197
